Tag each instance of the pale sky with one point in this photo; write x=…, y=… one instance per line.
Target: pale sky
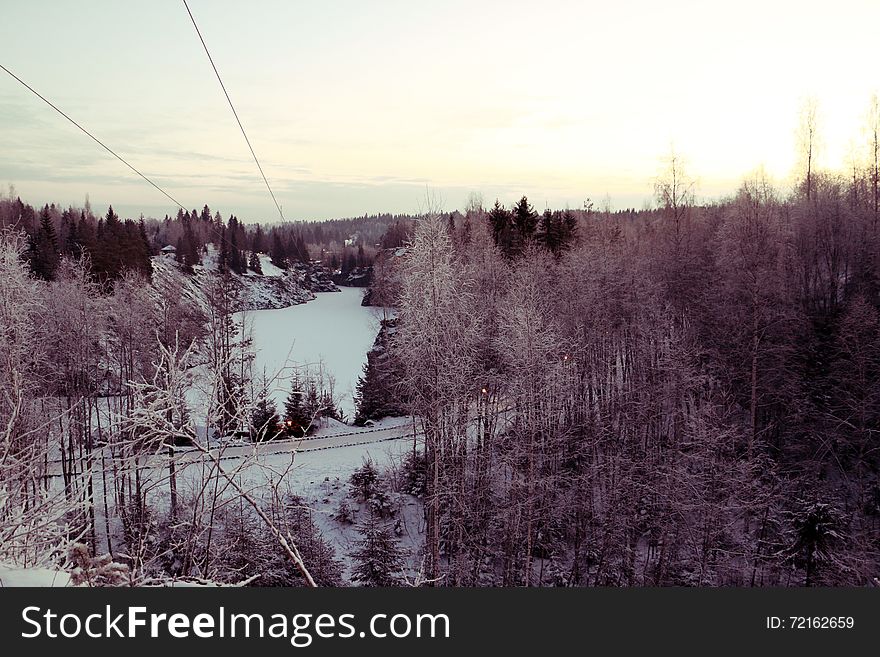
x=359, y=107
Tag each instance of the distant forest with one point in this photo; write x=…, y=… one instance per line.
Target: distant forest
x=114, y=245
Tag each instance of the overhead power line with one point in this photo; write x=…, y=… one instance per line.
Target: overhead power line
x=95, y=139
x=232, y=107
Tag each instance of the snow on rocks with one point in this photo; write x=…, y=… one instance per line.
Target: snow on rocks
x=254, y=292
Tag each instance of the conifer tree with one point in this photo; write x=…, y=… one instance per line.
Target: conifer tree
x=44, y=255
x=378, y=560
x=264, y=420
x=258, y=240
x=296, y=419
x=550, y=233
x=525, y=219
x=277, y=251
x=254, y=263
x=502, y=228
x=223, y=257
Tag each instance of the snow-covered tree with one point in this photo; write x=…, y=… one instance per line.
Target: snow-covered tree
x=378, y=559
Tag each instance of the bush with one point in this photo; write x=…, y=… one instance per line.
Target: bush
x=96, y=571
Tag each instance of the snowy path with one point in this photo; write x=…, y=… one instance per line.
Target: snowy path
x=393, y=429
x=347, y=439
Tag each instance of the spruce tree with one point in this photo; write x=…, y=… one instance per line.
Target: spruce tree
x=525, y=219
x=378, y=560
x=74, y=245
x=502, y=228
x=223, y=257
x=296, y=420
x=180, y=253
x=141, y=249
x=277, y=251
x=43, y=248
x=258, y=240
x=568, y=227
x=550, y=233
x=254, y=263
x=236, y=260
x=264, y=419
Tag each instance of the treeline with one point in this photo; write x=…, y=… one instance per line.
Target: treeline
x=686, y=396
x=340, y=244
x=513, y=230
x=114, y=246
x=111, y=246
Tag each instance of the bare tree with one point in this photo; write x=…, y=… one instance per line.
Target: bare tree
x=808, y=143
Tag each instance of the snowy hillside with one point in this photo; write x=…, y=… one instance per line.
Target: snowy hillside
x=275, y=289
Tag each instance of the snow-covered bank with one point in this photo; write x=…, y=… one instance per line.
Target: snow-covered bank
x=334, y=330
x=275, y=288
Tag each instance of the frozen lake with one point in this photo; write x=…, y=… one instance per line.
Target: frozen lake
x=334, y=329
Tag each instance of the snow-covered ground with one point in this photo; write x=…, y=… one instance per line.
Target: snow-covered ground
x=321, y=479
x=269, y=269
x=42, y=577
x=334, y=331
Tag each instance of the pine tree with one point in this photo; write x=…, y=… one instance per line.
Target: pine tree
x=258, y=240
x=296, y=419
x=264, y=419
x=550, y=233
x=502, y=228
x=525, y=219
x=223, y=257
x=254, y=263
x=277, y=251
x=378, y=560
x=43, y=248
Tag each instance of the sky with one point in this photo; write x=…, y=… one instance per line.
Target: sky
x=362, y=107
